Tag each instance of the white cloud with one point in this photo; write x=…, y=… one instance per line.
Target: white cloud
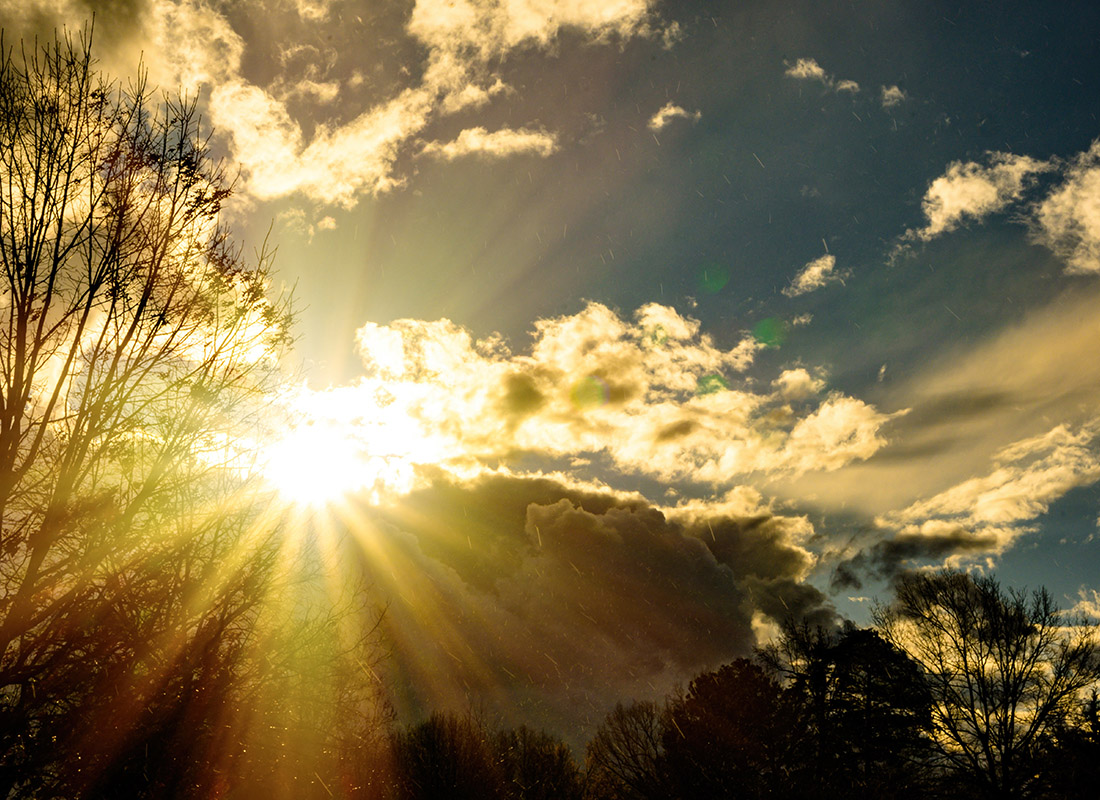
x=1068, y=219
x=473, y=96
x=798, y=384
x=892, y=96
x=314, y=10
x=337, y=166
x=654, y=395
x=970, y=191
x=463, y=35
x=807, y=69
x=816, y=274
x=669, y=112
x=497, y=144
x=1026, y=477
x=1088, y=604
x=192, y=44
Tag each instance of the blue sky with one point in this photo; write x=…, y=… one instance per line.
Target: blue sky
x=751, y=304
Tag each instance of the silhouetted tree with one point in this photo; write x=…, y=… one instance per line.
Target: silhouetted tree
x=1070, y=754
x=1004, y=670
x=151, y=642
x=866, y=707
x=735, y=734
x=447, y=756
x=624, y=759
x=537, y=766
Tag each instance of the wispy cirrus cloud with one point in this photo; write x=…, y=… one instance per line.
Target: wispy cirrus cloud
x=669, y=112
x=494, y=144
x=815, y=275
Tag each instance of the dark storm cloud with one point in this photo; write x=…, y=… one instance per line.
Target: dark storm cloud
x=505, y=589
x=888, y=558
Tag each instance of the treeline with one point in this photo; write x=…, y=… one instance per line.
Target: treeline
x=961, y=690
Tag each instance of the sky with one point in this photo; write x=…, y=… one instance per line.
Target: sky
x=627, y=329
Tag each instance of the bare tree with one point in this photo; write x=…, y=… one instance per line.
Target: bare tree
x=133, y=339
x=624, y=757
x=1004, y=669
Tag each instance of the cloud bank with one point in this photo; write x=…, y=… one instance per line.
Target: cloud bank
x=285, y=133
x=540, y=591
x=653, y=394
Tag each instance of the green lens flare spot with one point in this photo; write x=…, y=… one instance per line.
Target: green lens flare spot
x=713, y=278
x=590, y=392
x=709, y=384
x=656, y=336
x=770, y=332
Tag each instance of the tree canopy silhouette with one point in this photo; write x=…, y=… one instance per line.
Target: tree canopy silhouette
x=1004, y=668
x=135, y=343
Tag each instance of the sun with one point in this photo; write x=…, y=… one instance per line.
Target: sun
x=340, y=443
x=314, y=465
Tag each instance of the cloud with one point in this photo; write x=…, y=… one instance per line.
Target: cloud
x=892, y=96
x=498, y=144
x=798, y=384
x=1027, y=477
x=192, y=45
x=463, y=37
x=1068, y=220
x=654, y=395
x=807, y=69
x=983, y=515
x=815, y=275
x=283, y=149
x=934, y=542
x=473, y=96
x=998, y=430
x=314, y=10
x=670, y=112
x=337, y=166
x=970, y=191
x=508, y=590
x=1087, y=605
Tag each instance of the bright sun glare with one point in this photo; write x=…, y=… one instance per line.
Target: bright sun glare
x=335, y=450
x=314, y=465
